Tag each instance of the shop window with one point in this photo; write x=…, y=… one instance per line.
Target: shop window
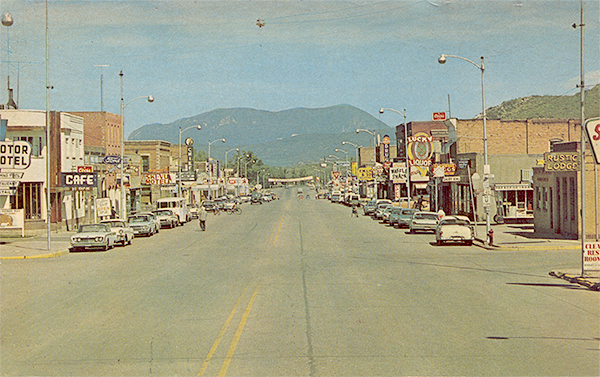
x=28, y=198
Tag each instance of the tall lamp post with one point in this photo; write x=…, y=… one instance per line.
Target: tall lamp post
x=210, y=164
x=359, y=130
x=486, y=166
x=226, y=152
x=198, y=127
x=408, y=192
x=355, y=146
x=123, y=210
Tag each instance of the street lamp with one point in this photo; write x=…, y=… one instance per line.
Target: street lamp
x=486, y=166
x=359, y=130
x=226, y=152
x=355, y=146
x=408, y=192
x=211, y=143
x=123, y=210
x=198, y=127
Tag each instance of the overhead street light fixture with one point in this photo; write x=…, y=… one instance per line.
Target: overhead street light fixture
x=486, y=166
x=123, y=210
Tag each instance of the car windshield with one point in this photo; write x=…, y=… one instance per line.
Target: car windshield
x=115, y=224
x=396, y=211
x=138, y=219
x=163, y=213
x=93, y=228
x=408, y=212
x=426, y=216
x=456, y=222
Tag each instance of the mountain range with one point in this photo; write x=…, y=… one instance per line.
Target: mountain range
x=279, y=138
x=285, y=138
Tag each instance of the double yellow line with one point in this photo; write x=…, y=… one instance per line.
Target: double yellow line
x=236, y=336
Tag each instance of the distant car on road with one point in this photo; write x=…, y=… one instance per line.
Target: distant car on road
x=455, y=229
x=403, y=218
x=142, y=225
x=167, y=218
x=210, y=206
x=93, y=236
x=122, y=230
x=423, y=222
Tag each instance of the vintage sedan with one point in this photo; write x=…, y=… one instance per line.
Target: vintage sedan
x=166, y=217
x=142, y=225
x=423, y=222
x=455, y=229
x=122, y=230
x=93, y=236
x=403, y=218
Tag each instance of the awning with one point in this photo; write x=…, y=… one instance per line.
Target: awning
x=512, y=186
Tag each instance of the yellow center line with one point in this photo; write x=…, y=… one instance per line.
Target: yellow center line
x=236, y=337
x=220, y=336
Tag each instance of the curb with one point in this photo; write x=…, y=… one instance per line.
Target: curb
x=589, y=284
x=50, y=255
x=525, y=247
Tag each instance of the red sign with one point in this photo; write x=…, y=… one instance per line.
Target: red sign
x=439, y=115
x=335, y=174
x=85, y=169
x=157, y=179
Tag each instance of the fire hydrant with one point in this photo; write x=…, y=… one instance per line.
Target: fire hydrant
x=491, y=237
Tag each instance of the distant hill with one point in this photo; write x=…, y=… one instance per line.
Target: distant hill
x=561, y=107
x=278, y=138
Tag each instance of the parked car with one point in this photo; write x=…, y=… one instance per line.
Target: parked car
x=193, y=211
x=369, y=207
x=387, y=212
x=210, y=206
x=424, y=222
x=378, y=213
x=404, y=217
x=455, y=229
x=122, y=230
x=93, y=236
x=166, y=217
x=142, y=225
x=154, y=218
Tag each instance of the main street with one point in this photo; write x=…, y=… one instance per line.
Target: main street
x=296, y=288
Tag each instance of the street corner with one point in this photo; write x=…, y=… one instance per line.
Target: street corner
x=590, y=282
x=29, y=253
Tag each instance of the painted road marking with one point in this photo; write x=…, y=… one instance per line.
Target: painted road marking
x=220, y=336
x=236, y=337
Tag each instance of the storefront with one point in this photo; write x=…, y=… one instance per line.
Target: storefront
x=514, y=202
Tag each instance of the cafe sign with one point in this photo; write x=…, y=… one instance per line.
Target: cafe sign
x=561, y=161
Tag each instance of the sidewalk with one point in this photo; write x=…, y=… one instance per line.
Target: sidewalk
x=520, y=237
x=35, y=247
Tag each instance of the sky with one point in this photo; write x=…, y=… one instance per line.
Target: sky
x=196, y=56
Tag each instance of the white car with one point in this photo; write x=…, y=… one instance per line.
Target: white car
x=423, y=221
x=166, y=217
x=121, y=229
x=93, y=236
x=455, y=229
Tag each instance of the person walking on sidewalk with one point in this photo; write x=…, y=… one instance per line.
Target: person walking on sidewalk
x=202, y=218
x=354, y=211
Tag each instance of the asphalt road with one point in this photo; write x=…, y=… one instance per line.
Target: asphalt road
x=295, y=288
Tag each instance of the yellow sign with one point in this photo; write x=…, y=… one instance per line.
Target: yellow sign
x=365, y=174
x=561, y=161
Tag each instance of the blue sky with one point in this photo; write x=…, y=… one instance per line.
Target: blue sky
x=195, y=56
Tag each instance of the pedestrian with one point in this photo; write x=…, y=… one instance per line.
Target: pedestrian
x=354, y=211
x=202, y=218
